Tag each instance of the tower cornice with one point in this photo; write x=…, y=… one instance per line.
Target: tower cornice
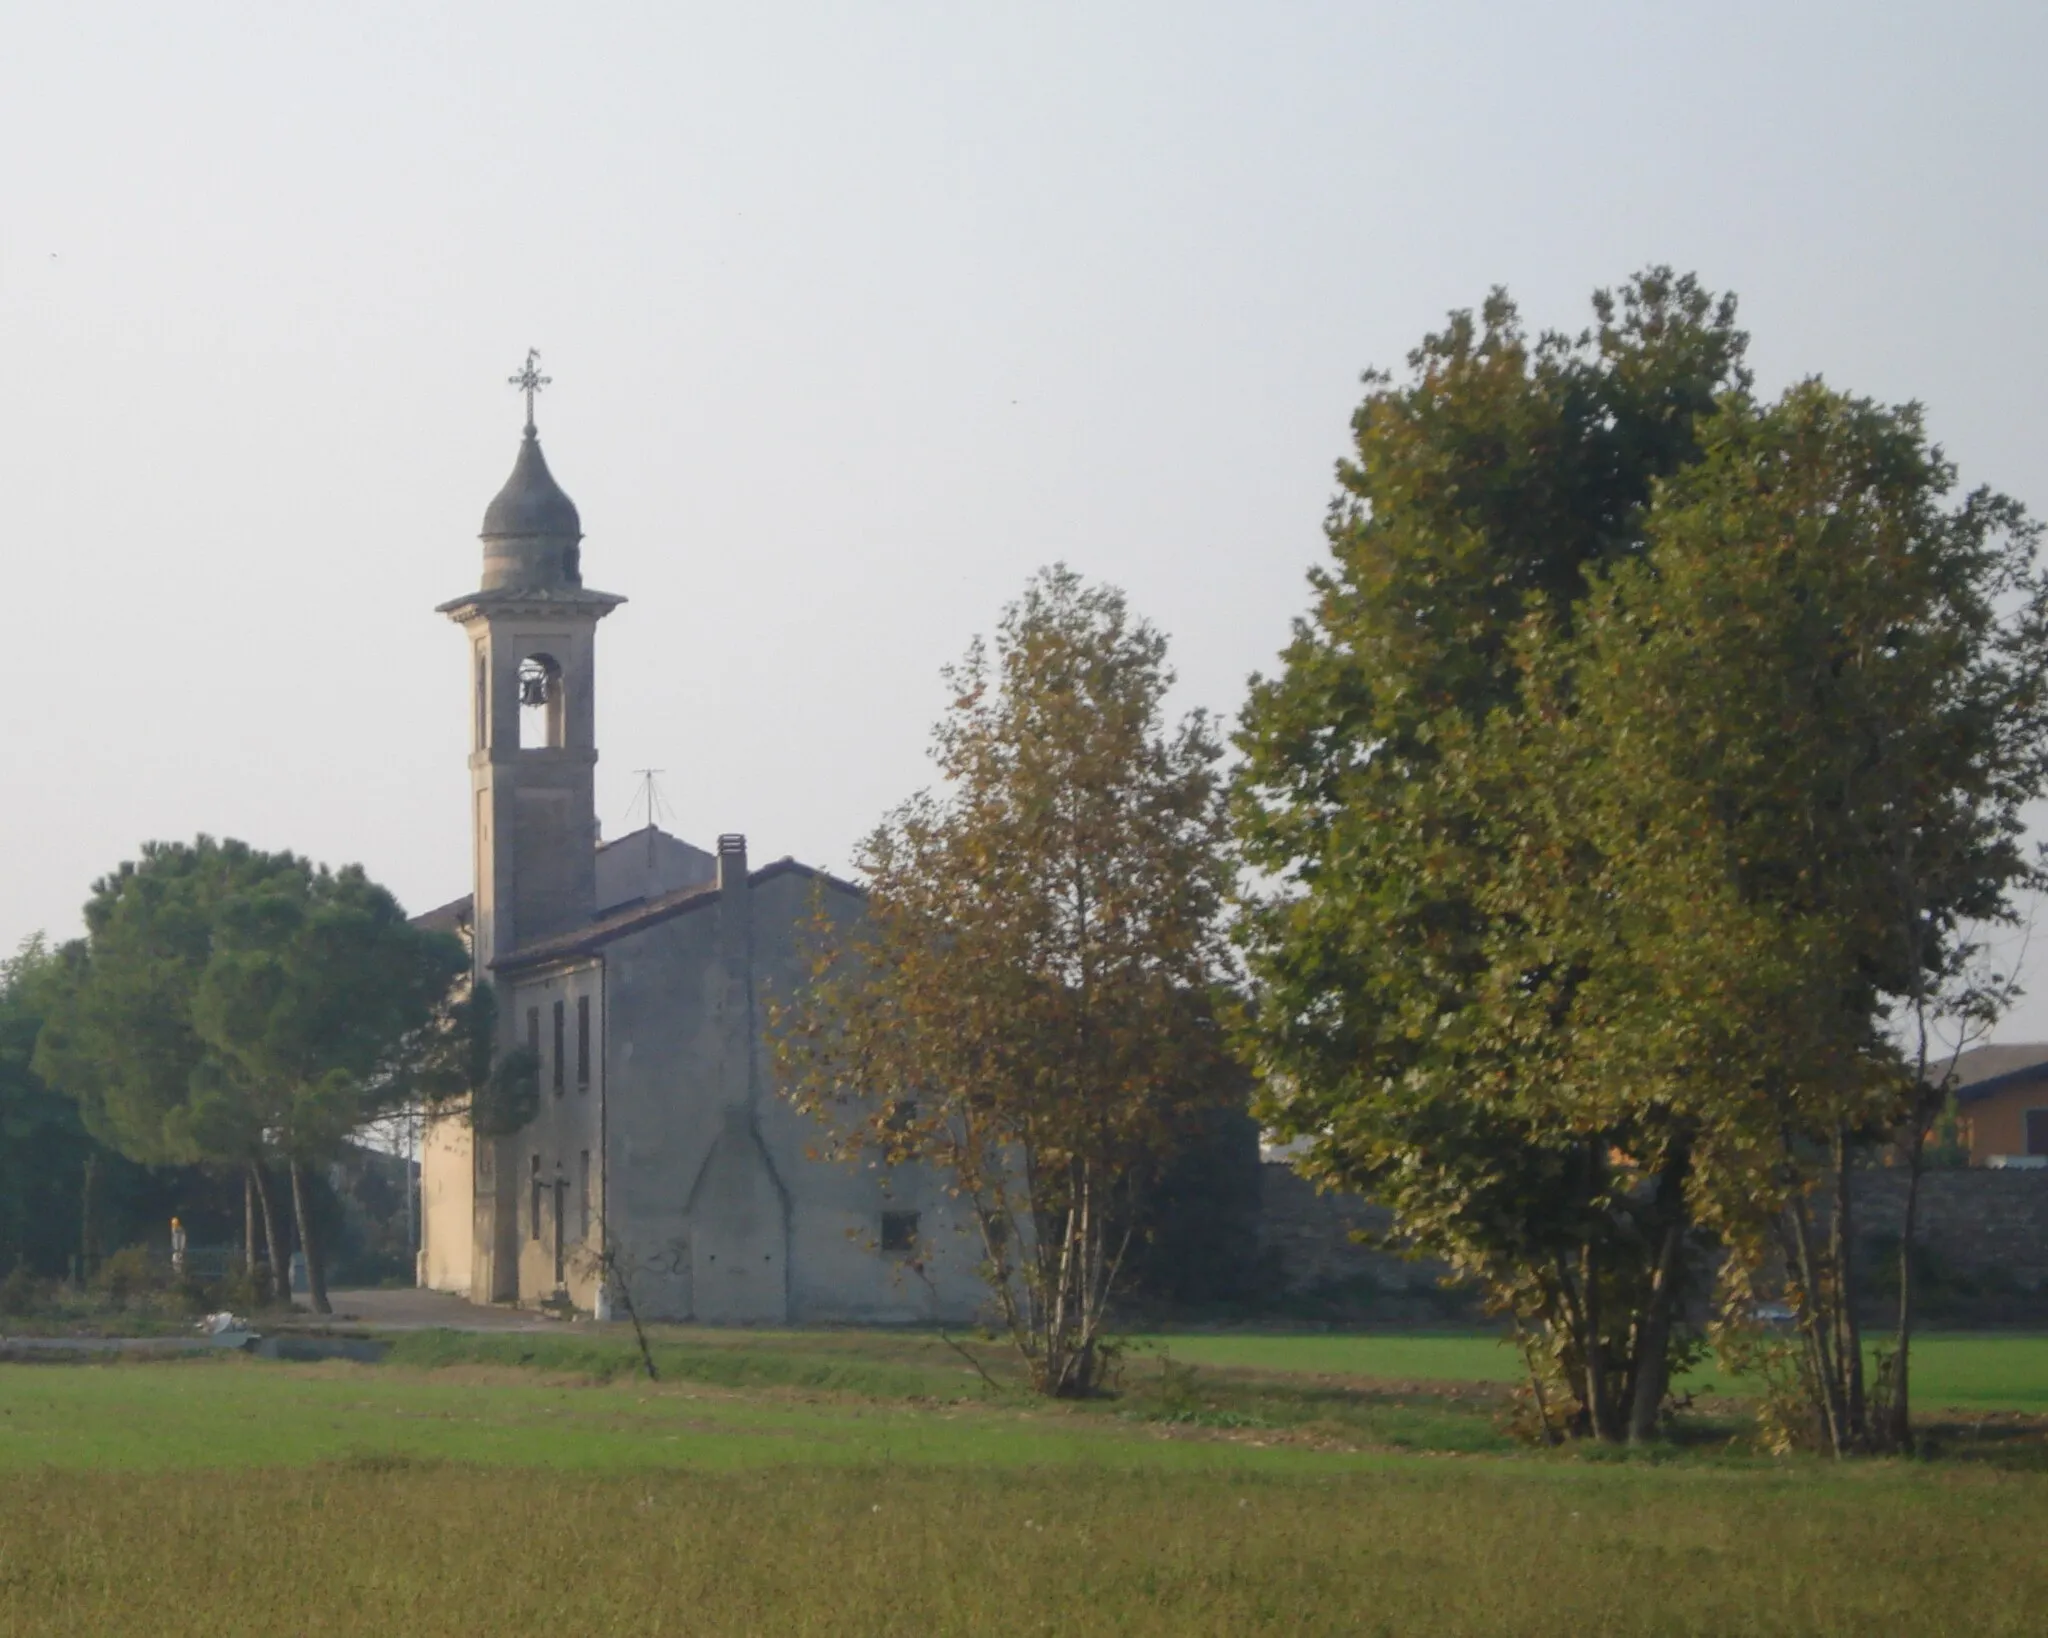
x=532, y=600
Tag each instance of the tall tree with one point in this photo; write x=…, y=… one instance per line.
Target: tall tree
x=228, y=1005
x=323, y=997
x=1801, y=730
x=1026, y=1003
x=44, y=1148
x=1479, y=494
x=119, y=1034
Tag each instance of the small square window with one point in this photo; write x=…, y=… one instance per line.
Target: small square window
x=899, y=1231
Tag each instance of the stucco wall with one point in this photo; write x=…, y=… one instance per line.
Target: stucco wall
x=720, y=1210
x=646, y=864
x=561, y=1148
x=447, y=1194
x=1997, y=1125
x=840, y=1273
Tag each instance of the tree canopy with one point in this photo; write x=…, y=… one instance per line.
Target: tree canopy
x=1026, y=1004
x=1647, y=749
x=228, y=1004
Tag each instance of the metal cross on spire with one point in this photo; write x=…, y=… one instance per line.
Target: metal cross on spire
x=529, y=380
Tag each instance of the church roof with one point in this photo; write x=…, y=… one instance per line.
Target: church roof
x=586, y=940
x=632, y=918
x=532, y=503
x=451, y=917
x=456, y=914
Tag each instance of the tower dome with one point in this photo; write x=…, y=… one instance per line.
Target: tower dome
x=531, y=503
x=531, y=530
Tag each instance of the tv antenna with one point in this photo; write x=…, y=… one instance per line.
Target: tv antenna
x=652, y=805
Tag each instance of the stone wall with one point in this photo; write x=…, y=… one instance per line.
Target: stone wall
x=1306, y=1244
x=1986, y=1229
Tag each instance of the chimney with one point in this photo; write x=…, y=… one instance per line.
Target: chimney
x=732, y=863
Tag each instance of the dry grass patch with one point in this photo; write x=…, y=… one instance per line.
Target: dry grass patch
x=383, y=1545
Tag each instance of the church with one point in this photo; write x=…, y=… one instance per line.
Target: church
x=639, y=972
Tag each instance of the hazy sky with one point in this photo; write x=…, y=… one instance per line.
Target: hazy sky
x=857, y=314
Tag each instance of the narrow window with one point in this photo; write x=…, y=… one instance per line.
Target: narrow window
x=2037, y=1131
x=533, y=1228
x=583, y=1196
x=483, y=699
x=582, y=1042
x=559, y=1057
x=899, y=1231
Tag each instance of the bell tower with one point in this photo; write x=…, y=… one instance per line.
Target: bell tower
x=532, y=627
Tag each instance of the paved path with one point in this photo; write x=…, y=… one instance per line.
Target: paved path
x=414, y=1310
x=19, y=1348
x=354, y=1312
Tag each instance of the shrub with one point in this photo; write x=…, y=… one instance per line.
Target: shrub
x=130, y=1272
x=20, y=1293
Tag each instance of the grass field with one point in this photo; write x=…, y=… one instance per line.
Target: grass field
x=1985, y=1370
x=863, y=1483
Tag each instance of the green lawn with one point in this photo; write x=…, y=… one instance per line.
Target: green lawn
x=1450, y=1356
x=872, y=1483
x=1955, y=1371
x=234, y=1412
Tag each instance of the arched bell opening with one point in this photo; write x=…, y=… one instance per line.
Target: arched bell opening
x=543, y=714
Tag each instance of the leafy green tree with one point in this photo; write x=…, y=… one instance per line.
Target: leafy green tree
x=228, y=1004
x=119, y=1034
x=1606, y=900
x=44, y=1148
x=1480, y=493
x=1025, y=1004
x=322, y=997
x=1789, y=746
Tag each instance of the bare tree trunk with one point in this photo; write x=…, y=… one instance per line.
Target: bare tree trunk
x=1899, y=1413
x=1814, y=1326
x=1652, y=1363
x=249, y=1230
x=88, y=1224
x=273, y=1242
x=1536, y=1393
x=309, y=1241
x=1849, y=1350
x=1573, y=1359
x=614, y=1274
x=1599, y=1403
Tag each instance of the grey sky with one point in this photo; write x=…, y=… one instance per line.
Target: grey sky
x=857, y=314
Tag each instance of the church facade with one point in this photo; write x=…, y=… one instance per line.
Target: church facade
x=639, y=973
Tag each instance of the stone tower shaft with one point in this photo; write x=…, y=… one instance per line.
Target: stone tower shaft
x=532, y=630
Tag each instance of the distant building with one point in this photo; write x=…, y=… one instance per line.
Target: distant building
x=2002, y=1099
x=638, y=972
